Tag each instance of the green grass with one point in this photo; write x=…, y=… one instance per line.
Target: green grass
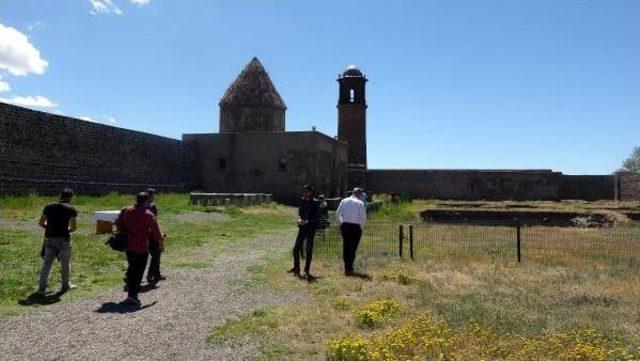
x=194, y=244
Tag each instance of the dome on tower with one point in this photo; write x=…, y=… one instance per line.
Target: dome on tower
x=253, y=87
x=352, y=70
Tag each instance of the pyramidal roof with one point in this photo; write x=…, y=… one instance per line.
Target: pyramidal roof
x=253, y=87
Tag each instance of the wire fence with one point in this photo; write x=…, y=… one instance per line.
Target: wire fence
x=490, y=242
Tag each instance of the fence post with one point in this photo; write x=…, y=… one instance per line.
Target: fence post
x=400, y=235
x=518, y=249
x=411, y=241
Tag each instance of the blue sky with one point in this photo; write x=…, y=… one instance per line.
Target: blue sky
x=453, y=84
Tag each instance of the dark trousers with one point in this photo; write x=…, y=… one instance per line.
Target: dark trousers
x=154, y=264
x=308, y=234
x=137, y=263
x=351, y=234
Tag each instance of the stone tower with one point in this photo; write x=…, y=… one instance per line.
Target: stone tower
x=252, y=103
x=352, y=123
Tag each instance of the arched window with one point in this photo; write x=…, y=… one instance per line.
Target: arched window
x=352, y=95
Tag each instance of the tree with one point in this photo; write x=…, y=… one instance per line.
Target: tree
x=632, y=163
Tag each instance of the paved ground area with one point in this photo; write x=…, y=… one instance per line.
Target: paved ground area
x=171, y=325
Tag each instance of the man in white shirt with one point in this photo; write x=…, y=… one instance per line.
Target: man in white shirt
x=351, y=216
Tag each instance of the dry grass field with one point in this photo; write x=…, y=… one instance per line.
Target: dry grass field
x=575, y=296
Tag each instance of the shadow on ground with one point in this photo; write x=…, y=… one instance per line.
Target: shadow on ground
x=38, y=299
x=121, y=307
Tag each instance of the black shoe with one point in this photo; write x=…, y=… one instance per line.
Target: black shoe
x=295, y=271
x=133, y=301
x=349, y=273
x=160, y=278
x=310, y=278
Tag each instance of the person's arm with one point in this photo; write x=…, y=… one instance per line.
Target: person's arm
x=339, y=214
x=73, y=216
x=120, y=221
x=315, y=213
x=43, y=221
x=157, y=235
x=363, y=215
x=72, y=225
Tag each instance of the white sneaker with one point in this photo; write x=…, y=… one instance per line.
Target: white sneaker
x=68, y=287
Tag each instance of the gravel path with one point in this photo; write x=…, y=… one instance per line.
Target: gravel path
x=172, y=324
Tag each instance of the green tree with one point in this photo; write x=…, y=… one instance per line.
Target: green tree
x=632, y=163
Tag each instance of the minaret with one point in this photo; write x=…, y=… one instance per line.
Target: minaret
x=352, y=123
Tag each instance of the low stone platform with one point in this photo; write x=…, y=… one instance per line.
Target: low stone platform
x=229, y=199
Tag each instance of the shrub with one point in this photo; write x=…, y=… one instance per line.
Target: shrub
x=348, y=348
x=374, y=313
x=405, y=278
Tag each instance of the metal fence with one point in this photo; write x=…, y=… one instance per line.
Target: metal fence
x=489, y=241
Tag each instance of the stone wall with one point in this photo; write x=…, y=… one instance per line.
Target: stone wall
x=278, y=163
x=627, y=186
x=467, y=184
x=587, y=187
x=236, y=119
x=504, y=185
x=44, y=152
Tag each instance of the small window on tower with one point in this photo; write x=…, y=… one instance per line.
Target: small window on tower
x=222, y=163
x=352, y=95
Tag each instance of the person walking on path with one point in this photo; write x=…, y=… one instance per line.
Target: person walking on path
x=153, y=274
x=139, y=225
x=351, y=216
x=59, y=221
x=308, y=216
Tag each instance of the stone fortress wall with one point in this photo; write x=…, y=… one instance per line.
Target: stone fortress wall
x=44, y=152
x=504, y=185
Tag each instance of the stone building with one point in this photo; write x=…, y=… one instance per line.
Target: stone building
x=253, y=152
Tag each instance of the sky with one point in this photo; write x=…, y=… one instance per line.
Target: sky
x=477, y=84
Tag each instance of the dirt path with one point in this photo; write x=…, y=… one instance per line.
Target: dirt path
x=172, y=324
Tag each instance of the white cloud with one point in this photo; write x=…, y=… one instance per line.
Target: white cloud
x=87, y=118
x=140, y=2
x=4, y=86
x=17, y=55
x=30, y=101
x=110, y=119
x=105, y=7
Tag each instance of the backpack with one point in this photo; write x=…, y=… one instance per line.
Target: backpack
x=117, y=241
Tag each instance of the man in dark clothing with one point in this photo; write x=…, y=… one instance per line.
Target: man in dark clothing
x=153, y=274
x=308, y=216
x=59, y=221
x=139, y=224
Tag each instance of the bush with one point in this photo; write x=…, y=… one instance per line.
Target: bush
x=374, y=313
x=348, y=348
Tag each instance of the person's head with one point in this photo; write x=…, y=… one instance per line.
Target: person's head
x=307, y=191
x=66, y=195
x=142, y=199
x=151, y=192
x=357, y=193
